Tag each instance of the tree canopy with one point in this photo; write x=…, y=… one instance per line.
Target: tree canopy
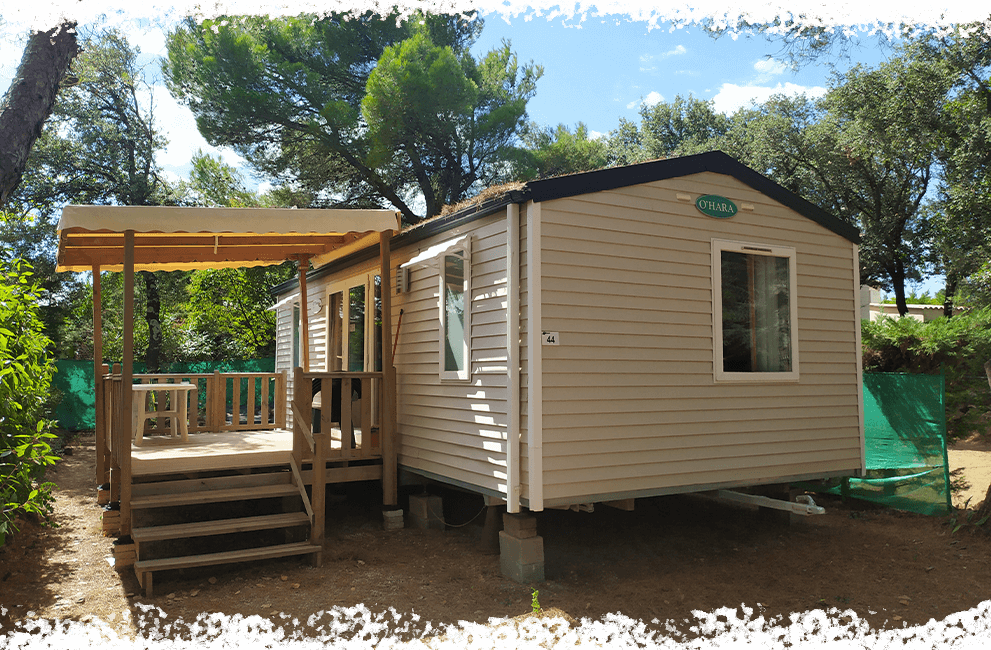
x=355, y=110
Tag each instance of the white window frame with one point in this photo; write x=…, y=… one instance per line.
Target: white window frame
x=750, y=248
x=463, y=250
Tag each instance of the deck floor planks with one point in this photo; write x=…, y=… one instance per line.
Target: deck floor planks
x=217, y=451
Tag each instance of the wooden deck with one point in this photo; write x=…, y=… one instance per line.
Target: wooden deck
x=229, y=450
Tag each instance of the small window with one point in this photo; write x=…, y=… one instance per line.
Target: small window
x=455, y=316
x=755, y=315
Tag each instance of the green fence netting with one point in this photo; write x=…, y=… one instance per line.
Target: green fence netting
x=76, y=410
x=904, y=445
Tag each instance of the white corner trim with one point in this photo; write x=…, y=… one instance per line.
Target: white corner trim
x=513, y=486
x=535, y=410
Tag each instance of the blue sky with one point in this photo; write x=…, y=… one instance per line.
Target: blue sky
x=597, y=69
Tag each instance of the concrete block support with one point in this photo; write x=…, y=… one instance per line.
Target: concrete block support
x=521, y=550
x=392, y=519
x=426, y=512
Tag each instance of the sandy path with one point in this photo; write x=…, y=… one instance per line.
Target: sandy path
x=975, y=466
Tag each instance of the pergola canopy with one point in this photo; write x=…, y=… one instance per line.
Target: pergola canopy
x=170, y=238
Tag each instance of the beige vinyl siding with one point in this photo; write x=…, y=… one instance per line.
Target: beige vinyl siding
x=630, y=404
x=450, y=429
x=283, y=352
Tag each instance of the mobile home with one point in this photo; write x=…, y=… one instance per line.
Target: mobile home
x=680, y=325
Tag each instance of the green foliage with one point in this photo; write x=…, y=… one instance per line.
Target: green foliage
x=914, y=298
x=535, y=604
x=957, y=346
x=682, y=127
x=355, y=109
x=227, y=312
x=555, y=151
x=25, y=381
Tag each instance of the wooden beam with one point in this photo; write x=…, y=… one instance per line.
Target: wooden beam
x=360, y=243
x=109, y=257
x=102, y=468
x=390, y=478
x=304, y=318
x=127, y=373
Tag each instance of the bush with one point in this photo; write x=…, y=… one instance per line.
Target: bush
x=958, y=347
x=26, y=371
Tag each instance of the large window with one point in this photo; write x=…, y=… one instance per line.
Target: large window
x=455, y=317
x=754, y=312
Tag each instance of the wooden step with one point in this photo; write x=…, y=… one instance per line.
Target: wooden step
x=219, y=527
x=214, y=496
x=227, y=557
x=211, y=483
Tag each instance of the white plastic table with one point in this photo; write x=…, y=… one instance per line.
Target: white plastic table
x=177, y=413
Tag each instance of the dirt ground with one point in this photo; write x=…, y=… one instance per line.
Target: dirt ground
x=664, y=560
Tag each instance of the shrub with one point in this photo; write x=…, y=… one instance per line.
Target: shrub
x=958, y=347
x=26, y=371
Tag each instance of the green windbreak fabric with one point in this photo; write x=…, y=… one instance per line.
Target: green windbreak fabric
x=904, y=445
x=76, y=410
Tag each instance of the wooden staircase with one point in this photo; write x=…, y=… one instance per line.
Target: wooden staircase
x=222, y=518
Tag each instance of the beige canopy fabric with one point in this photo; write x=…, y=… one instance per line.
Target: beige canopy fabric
x=177, y=238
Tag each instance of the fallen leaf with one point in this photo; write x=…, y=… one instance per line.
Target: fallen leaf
x=284, y=578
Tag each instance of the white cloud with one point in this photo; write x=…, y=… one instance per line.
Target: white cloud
x=596, y=135
x=732, y=97
x=177, y=124
x=770, y=67
x=647, y=60
x=767, y=69
x=653, y=97
x=148, y=36
x=11, y=50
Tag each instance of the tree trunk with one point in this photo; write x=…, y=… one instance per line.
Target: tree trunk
x=30, y=98
x=153, y=316
x=948, y=293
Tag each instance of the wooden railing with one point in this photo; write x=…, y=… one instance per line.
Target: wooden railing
x=337, y=416
x=351, y=427
x=216, y=402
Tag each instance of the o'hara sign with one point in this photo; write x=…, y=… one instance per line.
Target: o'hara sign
x=716, y=206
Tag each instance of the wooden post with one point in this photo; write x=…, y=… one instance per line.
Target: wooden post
x=281, y=403
x=319, y=493
x=304, y=318
x=126, y=381
x=390, y=495
x=102, y=468
x=218, y=403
